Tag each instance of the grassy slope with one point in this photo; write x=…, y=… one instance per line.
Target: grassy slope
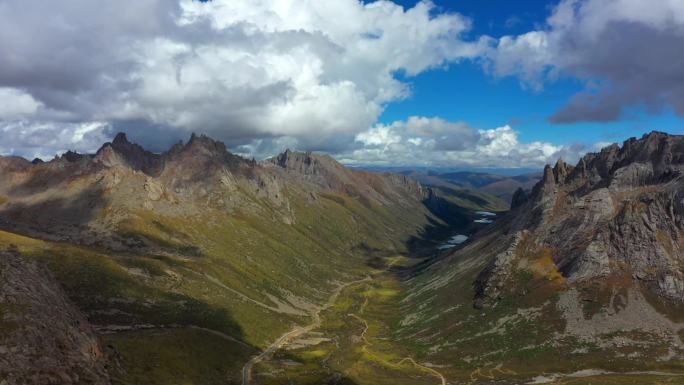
x=226, y=265
x=428, y=319
x=247, y=276
x=180, y=356
x=360, y=342
x=344, y=356
x=471, y=199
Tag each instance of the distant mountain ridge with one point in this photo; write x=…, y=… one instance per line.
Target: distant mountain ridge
x=500, y=186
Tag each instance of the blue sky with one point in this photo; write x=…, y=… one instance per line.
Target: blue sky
x=495, y=17
x=464, y=92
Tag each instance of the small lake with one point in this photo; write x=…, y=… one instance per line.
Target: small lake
x=453, y=241
x=483, y=220
x=484, y=217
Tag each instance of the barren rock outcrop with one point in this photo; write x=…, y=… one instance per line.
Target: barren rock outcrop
x=617, y=212
x=44, y=339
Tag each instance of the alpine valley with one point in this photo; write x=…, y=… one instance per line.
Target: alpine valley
x=197, y=266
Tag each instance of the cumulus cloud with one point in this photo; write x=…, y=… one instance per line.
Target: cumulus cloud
x=45, y=140
x=246, y=72
x=263, y=75
x=627, y=52
x=16, y=103
x=436, y=142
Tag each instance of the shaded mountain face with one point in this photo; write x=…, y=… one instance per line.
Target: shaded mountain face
x=586, y=270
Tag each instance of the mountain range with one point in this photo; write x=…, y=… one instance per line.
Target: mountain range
x=197, y=266
x=497, y=185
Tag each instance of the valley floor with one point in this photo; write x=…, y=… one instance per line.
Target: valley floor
x=356, y=336
x=355, y=342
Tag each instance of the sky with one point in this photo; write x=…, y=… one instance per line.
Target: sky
x=443, y=83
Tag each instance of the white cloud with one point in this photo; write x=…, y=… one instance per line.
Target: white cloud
x=308, y=74
x=397, y=144
x=627, y=51
x=313, y=70
x=45, y=140
x=379, y=136
x=14, y=103
x=527, y=56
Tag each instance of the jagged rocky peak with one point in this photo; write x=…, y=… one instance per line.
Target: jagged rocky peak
x=304, y=162
x=618, y=213
x=655, y=158
x=199, y=150
x=548, y=177
x=202, y=148
x=519, y=198
x=72, y=156
x=546, y=187
x=120, y=139
x=203, y=160
x=203, y=142
x=121, y=152
x=561, y=171
x=556, y=174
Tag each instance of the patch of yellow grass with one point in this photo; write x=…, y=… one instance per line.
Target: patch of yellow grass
x=343, y=304
x=538, y=260
x=314, y=354
x=401, y=260
x=25, y=244
x=381, y=292
x=382, y=358
x=546, y=267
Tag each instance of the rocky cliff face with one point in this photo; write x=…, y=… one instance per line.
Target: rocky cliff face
x=616, y=213
x=44, y=339
x=121, y=152
x=586, y=270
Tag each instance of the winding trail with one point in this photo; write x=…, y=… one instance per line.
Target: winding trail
x=367, y=343
x=479, y=373
x=298, y=331
x=295, y=332
x=421, y=367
